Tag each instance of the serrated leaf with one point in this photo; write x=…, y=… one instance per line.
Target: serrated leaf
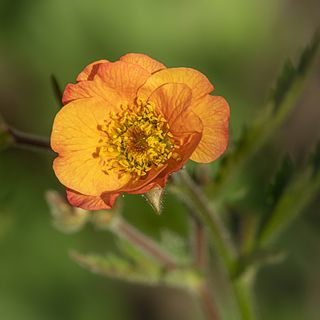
x=109, y=265
x=283, y=99
x=283, y=83
x=176, y=245
x=277, y=188
x=56, y=89
x=297, y=196
x=291, y=73
x=155, y=198
x=281, y=180
x=145, y=244
x=114, y=266
x=308, y=54
x=315, y=159
x=137, y=257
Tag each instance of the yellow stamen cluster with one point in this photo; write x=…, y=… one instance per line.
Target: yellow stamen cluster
x=135, y=140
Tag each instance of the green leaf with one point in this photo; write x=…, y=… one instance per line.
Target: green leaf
x=110, y=265
x=288, y=88
x=137, y=257
x=297, y=196
x=315, y=159
x=283, y=84
x=56, y=89
x=143, y=243
x=277, y=188
x=117, y=267
x=176, y=245
x=291, y=73
x=281, y=180
x=308, y=54
x=293, y=192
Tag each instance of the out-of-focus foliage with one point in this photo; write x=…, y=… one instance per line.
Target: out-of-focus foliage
x=290, y=72
x=281, y=180
x=5, y=137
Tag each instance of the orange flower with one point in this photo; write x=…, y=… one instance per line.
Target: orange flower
x=127, y=125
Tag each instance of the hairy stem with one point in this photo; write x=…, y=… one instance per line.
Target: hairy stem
x=208, y=303
x=199, y=243
x=126, y=231
x=28, y=140
x=196, y=199
x=199, y=248
x=220, y=236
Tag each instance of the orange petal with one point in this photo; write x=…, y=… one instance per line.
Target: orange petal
x=159, y=179
x=214, y=113
x=90, y=70
x=173, y=100
x=195, y=80
x=188, y=143
x=143, y=181
x=158, y=182
x=106, y=201
x=88, y=89
x=75, y=137
x=125, y=78
x=143, y=61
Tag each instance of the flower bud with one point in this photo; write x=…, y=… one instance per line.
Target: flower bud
x=66, y=218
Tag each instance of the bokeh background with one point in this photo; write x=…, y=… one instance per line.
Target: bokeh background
x=239, y=45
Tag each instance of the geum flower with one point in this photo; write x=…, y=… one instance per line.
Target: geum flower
x=127, y=125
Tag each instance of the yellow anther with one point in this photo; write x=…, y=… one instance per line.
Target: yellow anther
x=136, y=139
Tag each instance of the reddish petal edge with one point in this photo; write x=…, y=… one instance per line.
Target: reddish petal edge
x=160, y=181
x=173, y=166
x=90, y=70
x=144, y=61
x=105, y=201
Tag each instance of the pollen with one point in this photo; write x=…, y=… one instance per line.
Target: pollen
x=135, y=140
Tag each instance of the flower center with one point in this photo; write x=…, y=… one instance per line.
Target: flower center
x=135, y=140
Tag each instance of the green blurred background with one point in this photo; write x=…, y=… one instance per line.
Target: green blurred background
x=239, y=45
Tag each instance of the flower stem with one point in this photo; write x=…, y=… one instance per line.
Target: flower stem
x=199, y=248
x=240, y=287
x=198, y=243
x=27, y=140
x=126, y=231
x=219, y=234
x=208, y=303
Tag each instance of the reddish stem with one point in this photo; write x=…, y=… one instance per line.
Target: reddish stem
x=143, y=242
x=28, y=140
x=208, y=303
